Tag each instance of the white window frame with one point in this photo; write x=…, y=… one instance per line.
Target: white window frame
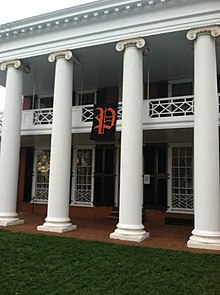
x=169, y=182
x=74, y=178
x=180, y=81
x=34, y=177
x=78, y=96
x=41, y=96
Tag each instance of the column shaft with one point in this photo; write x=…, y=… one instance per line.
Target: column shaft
x=10, y=147
x=206, y=233
x=130, y=225
x=59, y=181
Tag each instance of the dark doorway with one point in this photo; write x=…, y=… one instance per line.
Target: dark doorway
x=104, y=182
x=155, y=165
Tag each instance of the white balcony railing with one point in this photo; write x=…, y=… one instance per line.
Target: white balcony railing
x=43, y=116
x=157, y=113
x=171, y=107
x=1, y=119
x=87, y=113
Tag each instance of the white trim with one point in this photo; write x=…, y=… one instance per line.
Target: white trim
x=169, y=179
x=179, y=81
x=106, y=28
x=38, y=101
x=169, y=182
x=34, y=181
x=34, y=176
x=79, y=93
x=75, y=149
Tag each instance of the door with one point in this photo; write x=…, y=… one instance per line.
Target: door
x=155, y=165
x=104, y=176
x=41, y=177
x=83, y=163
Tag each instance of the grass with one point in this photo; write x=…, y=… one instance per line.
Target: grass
x=38, y=264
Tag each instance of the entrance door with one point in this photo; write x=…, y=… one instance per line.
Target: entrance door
x=41, y=178
x=155, y=165
x=104, y=182
x=83, y=163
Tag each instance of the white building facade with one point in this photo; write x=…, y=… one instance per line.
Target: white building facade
x=159, y=62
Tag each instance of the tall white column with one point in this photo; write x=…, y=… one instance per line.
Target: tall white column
x=10, y=143
x=206, y=233
x=57, y=219
x=130, y=225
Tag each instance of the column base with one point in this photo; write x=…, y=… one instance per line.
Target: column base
x=132, y=235
x=57, y=225
x=10, y=221
x=204, y=240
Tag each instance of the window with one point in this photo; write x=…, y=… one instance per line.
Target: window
x=180, y=87
x=83, y=177
x=43, y=102
x=182, y=179
x=85, y=97
x=42, y=170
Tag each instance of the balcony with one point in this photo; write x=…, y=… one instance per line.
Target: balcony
x=158, y=113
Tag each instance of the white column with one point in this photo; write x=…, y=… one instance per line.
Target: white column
x=206, y=233
x=57, y=219
x=130, y=225
x=10, y=143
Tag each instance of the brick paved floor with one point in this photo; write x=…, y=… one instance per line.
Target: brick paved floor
x=99, y=227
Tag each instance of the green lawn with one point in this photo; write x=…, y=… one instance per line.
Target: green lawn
x=38, y=264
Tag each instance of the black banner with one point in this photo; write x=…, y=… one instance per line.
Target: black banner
x=104, y=122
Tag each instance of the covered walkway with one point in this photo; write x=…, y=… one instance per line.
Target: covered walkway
x=98, y=228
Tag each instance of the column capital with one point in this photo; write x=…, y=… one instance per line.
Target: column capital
x=138, y=42
x=214, y=31
x=67, y=54
x=16, y=63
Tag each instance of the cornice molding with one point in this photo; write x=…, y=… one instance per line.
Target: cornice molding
x=138, y=42
x=144, y=22
x=214, y=31
x=63, y=18
x=16, y=63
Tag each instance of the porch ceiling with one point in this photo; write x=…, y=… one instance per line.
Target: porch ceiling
x=149, y=137
x=170, y=57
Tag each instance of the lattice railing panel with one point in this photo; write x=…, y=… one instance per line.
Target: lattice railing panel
x=41, y=195
x=82, y=196
x=43, y=117
x=1, y=119
x=171, y=107
x=119, y=113
x=183, y=202
x=88, y=111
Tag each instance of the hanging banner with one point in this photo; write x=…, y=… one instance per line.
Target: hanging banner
x=104, y=122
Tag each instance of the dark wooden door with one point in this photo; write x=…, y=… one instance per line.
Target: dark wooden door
x=155, y=165
x=104, y=182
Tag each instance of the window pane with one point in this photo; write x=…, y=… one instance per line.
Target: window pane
x=182, y=179
x=181, y=89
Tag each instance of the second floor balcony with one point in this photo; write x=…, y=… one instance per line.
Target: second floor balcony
x=159, y=113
